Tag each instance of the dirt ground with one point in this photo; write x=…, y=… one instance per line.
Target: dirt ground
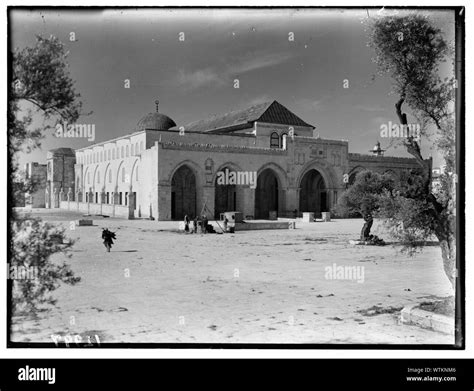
x=271, y=286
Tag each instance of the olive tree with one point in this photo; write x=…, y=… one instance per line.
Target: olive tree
x=40, y=84
x=410, y=49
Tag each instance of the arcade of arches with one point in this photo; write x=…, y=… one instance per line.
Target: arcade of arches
x=312, y=195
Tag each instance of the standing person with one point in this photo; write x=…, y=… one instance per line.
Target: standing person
x=369, y=220
x=186, y=223
x=226, y=221
x=204, y=224
x=195, y=224
x=108, y=237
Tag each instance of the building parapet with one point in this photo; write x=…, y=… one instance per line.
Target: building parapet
x=318, y=140
x=221, y=148
x=381, y=159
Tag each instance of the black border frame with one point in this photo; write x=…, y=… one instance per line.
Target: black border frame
x=460, y=321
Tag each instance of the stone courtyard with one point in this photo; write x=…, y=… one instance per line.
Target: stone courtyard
x=158, y=285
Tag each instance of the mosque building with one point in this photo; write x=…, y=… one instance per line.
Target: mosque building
x=274, y=162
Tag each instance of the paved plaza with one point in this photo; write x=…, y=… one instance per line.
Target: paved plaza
x=271, y=286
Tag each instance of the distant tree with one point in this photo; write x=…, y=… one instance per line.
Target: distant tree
x=362, y=197
x=39, y=79
x=39, y=76
x=411, y=49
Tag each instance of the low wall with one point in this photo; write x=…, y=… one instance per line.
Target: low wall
x=254, y=225
x=93, y=208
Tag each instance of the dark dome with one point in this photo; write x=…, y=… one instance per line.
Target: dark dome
x=155, y=121
x=61, y=152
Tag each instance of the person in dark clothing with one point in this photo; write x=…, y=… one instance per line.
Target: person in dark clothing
x=195, y=225
x=204, y=224
x=369, y=220
x=226, y=222
x=186, y=223
x=108, y=237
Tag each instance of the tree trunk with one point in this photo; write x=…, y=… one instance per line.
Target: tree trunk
x=448, y=252
x=446, y=228
x=365, y=233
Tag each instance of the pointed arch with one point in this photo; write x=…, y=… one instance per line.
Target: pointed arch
x=198, y=171
x=117, y=174
x=135, y=167
x=227, y=197
x=270, y=193
x=105, y=182
x=183, y=193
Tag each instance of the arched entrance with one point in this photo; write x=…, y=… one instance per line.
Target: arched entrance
x=313, y=193
x=266, y=195
x=183, y=193
x=225, y=198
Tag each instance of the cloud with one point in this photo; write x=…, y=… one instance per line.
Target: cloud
x=379, y=120
x=225, y=73
x=258, y=61
x=199, y=78
x=257, y=100
x=305, y=104
x=371, y=108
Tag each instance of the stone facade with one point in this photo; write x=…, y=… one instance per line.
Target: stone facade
x=36, y=172
x=60, y=176
x=165, y=173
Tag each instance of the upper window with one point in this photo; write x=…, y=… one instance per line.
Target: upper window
x=274, y=140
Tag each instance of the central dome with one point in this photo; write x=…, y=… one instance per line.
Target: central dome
x=155, y=121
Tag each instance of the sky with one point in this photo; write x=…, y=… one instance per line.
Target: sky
x=194, y=78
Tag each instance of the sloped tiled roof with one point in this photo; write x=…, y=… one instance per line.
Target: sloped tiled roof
x=270, y=112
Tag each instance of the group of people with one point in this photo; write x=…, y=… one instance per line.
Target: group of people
x=202, y=222
x=198, y=221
